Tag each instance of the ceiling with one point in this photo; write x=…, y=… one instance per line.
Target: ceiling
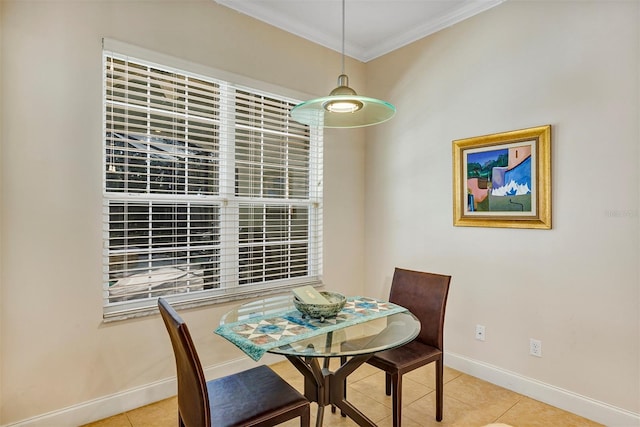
x=372, y=27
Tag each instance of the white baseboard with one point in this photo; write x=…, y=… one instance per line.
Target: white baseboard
x=586, y=407
x=127, y=400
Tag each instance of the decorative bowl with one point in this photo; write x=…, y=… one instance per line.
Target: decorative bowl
x=321, y=311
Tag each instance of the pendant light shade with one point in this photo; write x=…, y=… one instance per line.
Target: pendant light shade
x=343, y=108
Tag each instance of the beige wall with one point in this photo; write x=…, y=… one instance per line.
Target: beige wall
x=570, y=64
x=1, y=288
x=56, y=352
x=573, y=65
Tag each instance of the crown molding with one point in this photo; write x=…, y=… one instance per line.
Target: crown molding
x=261, y=11
x=470, y=9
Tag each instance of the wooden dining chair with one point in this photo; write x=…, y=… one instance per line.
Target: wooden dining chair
x=425, y=295
x=255, y=397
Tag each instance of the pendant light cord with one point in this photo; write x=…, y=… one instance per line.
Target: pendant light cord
x=343, y=36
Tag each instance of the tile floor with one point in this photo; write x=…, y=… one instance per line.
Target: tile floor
x=469, y=402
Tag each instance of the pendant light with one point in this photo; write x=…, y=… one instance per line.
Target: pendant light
x=343, y=108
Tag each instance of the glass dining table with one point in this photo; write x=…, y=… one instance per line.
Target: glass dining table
x=364, y=327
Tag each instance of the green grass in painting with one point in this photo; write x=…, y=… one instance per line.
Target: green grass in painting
x=505, y=204
x=510, y=203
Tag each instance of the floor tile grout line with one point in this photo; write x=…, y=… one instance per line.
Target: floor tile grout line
x=126, y=414
x=510, y=408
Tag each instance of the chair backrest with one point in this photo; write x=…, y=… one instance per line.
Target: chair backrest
x=425, y=295
x=193, y=398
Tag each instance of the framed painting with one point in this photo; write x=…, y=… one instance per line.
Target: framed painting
x=503, y=179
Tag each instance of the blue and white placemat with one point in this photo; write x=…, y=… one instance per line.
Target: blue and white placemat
x=257, y=335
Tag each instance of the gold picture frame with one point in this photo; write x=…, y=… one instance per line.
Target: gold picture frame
x=503, y=179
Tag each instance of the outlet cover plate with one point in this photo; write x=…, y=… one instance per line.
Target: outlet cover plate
x=535, y=347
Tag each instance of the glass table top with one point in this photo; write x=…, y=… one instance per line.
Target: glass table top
x=363, y=338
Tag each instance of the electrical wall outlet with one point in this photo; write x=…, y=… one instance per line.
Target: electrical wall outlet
x=535, y=347
x=480, y=332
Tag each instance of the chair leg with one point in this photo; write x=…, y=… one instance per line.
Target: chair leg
x=387, y=383
x=396, y=398
x=343, y=360
x=439, y=388
x=326, y=366
x=305, y=419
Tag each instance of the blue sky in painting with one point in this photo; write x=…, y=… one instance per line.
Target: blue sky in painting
x=483, y=157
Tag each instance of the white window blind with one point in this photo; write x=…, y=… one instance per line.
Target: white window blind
x=211, y=191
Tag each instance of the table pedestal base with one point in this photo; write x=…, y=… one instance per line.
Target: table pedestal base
x=329, y=388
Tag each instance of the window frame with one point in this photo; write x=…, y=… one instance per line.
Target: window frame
x=227, y=197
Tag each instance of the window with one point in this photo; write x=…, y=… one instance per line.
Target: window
x=211, y=191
